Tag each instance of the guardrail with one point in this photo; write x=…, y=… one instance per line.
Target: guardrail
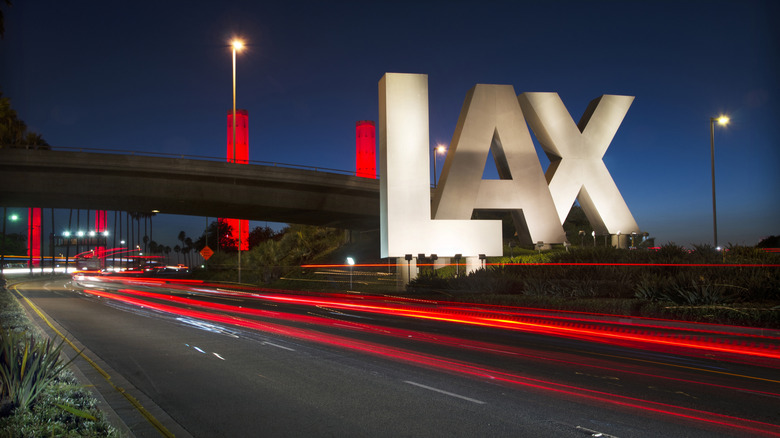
x=194, y=157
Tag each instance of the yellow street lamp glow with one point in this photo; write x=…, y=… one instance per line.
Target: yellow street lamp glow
x=723, y=120
x=237, y=45
x=441, y=149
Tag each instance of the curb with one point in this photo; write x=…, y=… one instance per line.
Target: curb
x=111, y=389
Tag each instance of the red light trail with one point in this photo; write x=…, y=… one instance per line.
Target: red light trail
x=648, y=334
x=689, y=265
x=428, y=360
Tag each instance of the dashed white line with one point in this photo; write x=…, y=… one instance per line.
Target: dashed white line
x=451, y=394
x=595, y=433
x=278, y=346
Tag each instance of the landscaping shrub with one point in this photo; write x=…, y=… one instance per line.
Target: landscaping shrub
x=30, y=408
x=27, y=367
x=672, y=282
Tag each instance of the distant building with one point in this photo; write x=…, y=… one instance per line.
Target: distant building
x=365, y=149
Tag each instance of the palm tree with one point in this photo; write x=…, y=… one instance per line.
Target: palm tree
x=186, y=252
x=189, y=247
x=177, y=248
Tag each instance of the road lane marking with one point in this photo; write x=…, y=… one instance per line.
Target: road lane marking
x=594, y=432
x=278, y=346
x=441, y=391
x=655, y=362
x=133, y=401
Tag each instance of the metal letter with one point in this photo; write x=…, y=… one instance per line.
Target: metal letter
x=577, y=170
x=405, y=195
x=491, y=120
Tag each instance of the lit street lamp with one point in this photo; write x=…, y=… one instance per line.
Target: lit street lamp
x=351, y=263
x=237, y=46
x=723, y=121
x=440, y=149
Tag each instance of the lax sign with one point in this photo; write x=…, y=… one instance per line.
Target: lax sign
x=493, y=119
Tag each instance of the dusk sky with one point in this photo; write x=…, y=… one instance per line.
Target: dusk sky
x=156, y=77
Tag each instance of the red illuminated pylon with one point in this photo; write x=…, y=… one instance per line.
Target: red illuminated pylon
x=34, y=234
x=100, y=227
x=365, y=149
x=241, y=156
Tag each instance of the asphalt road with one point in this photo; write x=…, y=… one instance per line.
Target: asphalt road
x=227, y=365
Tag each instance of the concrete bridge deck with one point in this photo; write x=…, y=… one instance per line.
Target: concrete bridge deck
x=101, y=181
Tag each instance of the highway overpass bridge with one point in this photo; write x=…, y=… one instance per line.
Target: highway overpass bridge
x=107, y=181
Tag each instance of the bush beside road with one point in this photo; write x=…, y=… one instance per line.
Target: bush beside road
x=46, y=400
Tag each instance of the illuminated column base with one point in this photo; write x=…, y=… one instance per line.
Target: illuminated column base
x=473, y=264
x=621, y=240
x=407, y=271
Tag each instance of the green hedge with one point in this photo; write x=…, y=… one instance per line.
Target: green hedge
x=699, y=284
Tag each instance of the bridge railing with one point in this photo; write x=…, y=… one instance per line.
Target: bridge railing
x=199, y=157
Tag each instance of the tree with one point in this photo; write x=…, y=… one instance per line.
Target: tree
x=13, y=132
x=2, y=19
x=177, y=248
x=769, y=242
x=187, y=249
x=261, y=234
x=14, y=243
x=218, y=233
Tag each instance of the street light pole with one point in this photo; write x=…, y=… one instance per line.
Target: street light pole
x=722, y=120
x=237, y=45
x=351, y=263
x=438, y=149
x=433, y=152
